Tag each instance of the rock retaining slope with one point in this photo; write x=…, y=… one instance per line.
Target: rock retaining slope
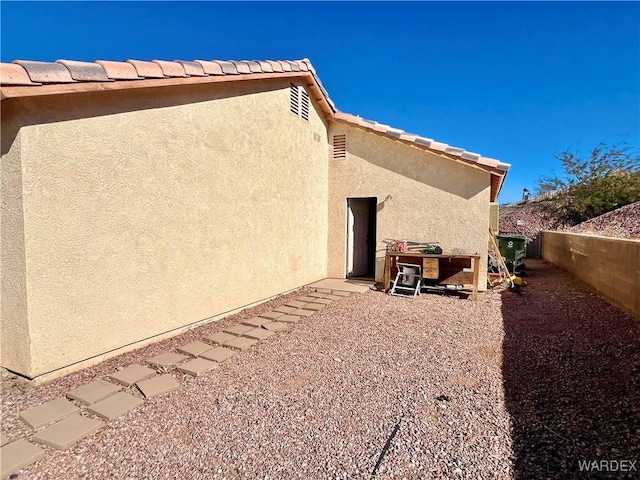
x=623, y=222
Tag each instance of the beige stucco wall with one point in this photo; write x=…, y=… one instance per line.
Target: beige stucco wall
x=148, y=210
x=432, y=198
x=494, y=216
x=14, y=342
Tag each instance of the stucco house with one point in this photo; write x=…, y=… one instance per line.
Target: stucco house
x=140, y=198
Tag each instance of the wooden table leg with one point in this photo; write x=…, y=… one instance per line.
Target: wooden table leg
x=476, y=274
x=387, y=272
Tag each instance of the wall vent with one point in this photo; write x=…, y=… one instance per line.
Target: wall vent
x=339, y=146
x=304, y=106
x=294, y=100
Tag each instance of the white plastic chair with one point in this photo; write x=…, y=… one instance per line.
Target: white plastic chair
x=408, y=279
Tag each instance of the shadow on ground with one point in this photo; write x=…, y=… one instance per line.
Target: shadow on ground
x=571, y=368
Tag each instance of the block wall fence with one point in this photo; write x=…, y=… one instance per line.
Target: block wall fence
x=610, y=265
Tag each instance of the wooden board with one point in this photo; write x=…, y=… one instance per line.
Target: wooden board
x=430, y=268
x=457, y=278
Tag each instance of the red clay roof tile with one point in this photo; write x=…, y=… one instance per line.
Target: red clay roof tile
x=119, y=70
x=424, y=141
x=242, y=67
x=275, y=65
x=85, y=71
x=470, y=156
x=266, y=66
x=210, y=68
x=489, y=162
x=286, y=66
x=441, y=147
x=255, y=66
x=228, y=68
x=408, y=137
x=307, y=62
x=366, y=123
x=14, y=74
x=192, y=69
x=454, y=151
x=347, y=117
x=379, y=127
x=294, y=65
x=46, y=72
x=171, y=69
x=147, y=69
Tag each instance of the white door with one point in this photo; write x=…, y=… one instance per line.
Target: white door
x=357, y=237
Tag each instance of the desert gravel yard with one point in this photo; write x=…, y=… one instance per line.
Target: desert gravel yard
x=509, y=386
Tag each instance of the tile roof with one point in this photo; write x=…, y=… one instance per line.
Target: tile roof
x=24, y=74
x=421, y=142
x=45, y=72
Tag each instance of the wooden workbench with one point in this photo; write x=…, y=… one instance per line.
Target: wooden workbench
x=453, y=269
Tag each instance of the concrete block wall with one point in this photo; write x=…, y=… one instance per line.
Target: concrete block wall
x=610, y=265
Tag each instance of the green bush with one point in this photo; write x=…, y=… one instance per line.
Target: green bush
x=607, y=180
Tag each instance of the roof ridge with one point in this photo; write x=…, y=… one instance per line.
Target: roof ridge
x=36, y=73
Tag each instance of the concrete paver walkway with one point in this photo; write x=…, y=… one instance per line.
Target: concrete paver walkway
x=17, y=455
x=61, y=435
x=115, y=406
x=94, y=392
x=63, y=424
x=48, y=413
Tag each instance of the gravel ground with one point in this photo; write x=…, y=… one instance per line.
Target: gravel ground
x=623, y=222
x=422, y=380
x=572, y=378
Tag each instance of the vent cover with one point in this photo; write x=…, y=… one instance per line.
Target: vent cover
x=294, y=99
x=304, y=107
x=299, y=102
x=339, y=146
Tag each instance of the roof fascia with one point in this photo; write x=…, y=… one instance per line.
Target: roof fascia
x=8, y=92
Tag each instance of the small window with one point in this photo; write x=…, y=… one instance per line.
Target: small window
x=294, y=100
x=304, y=107
x=339, y=146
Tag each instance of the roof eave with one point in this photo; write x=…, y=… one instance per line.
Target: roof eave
x=499, y=170
x=11, y=91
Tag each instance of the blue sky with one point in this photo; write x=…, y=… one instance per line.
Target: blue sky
x=518, y=81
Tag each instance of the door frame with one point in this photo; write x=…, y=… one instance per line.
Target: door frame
x=371, y=242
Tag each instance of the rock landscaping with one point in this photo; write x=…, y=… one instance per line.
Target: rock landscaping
x=512, y=386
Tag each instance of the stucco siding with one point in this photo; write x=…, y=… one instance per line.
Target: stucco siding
x=421, y=197
x=146, y=211
x=15, y=344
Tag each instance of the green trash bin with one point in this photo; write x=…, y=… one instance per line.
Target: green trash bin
x=513, y=248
